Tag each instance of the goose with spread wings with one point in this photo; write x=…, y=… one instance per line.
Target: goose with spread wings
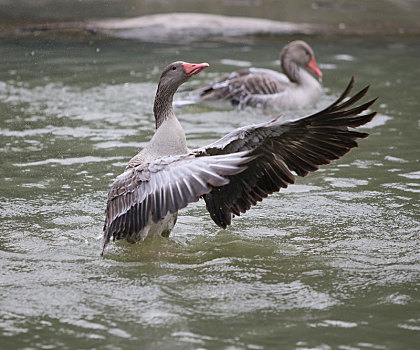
x=231, y=174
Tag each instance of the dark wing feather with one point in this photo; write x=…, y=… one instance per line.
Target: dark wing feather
x=280, y=148
x=150, y=191
x=239, y=86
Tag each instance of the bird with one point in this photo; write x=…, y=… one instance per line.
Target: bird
x=231, y=174
x=269, y=89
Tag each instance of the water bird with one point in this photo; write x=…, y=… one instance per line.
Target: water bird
x=230, y=174
x=269, y=89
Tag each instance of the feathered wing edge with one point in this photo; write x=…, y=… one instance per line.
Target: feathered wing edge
x=148, y=192
x=300, y=146
x=238, y=87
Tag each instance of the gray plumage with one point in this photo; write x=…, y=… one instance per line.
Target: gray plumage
x=231, y=174
x=266, y=88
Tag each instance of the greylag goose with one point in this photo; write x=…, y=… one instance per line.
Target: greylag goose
x=231, y=174
x=266, y=88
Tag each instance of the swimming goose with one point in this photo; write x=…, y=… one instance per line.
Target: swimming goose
x=266, y=88
x=231, y=174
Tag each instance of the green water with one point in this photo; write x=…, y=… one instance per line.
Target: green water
x=330, y=263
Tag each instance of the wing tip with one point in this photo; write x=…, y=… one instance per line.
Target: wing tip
x=104, y=246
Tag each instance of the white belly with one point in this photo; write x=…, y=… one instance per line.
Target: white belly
x=162, y=228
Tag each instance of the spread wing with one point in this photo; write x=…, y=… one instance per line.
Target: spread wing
x=240, y=85
x=298, y=146
x=149, y=191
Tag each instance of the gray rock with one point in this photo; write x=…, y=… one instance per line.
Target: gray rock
x=193, y=26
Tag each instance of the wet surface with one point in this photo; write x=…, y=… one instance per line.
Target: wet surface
x=375, y=15
x=330, y=263
x=186, y=20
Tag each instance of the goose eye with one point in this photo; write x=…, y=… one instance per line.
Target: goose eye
x=173, y=68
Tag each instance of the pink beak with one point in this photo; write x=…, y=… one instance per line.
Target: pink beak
x=194, y=68
x=313, y=67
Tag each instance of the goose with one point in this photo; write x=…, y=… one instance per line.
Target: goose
x=269, y=89
x=231, y=174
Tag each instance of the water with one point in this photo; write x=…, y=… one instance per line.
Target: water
x=330, y=263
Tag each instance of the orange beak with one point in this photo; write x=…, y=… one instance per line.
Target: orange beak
x=194, y=68
x=313, y=67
